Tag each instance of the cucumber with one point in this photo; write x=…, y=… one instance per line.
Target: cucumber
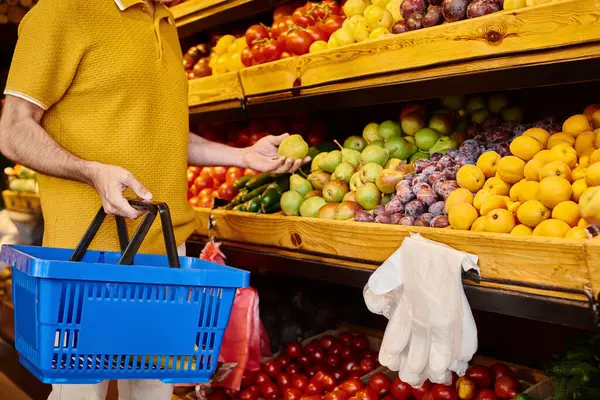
x=270, y=197
x=560, y=388
x=570, y=368
x=256, y=192
x=273, y=209
x=240, y=183
x=585, y=353
x=240, y=196
x=260, y=180
x=253, y=205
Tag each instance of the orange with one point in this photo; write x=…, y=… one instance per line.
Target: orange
x=462, y=216
x=577, y=124
x=532, y=168
x=492, y=203
x=458, y=196
x=567, y=211
x=565, y=153
x=539, y=134
x=487, y=162
x=499, y=221
x=525, y=147
x=532, y=212
x=496, y=185
x=470, y=177
x=553, y=190
x=510, y=169
x=528, y=191
x=555, y=168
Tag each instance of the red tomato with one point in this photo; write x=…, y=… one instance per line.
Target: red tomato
x=352, y=386
x=350, y=366
x=332, y=5
x=326, y=341
x=299, y=382
x=286, y=54
x=317, y=33
x=206, y=201
x=280, y=26
x=312, y=346
x=191, y=177
x=333, y=361
x=298, y=42
x=292, y=369
x=250, y=172
x=219, y=173
x=400, y=389
x=292, y=394
x=336, y=395
x=258, y=53
x=335, y=349
x=319, y=12
x=206, y=192
x=367, y=365
x=347, y=354
x=293, y=350
x=273, y=49
x=243, y=137
x=338, y=375
x=332, y=23
x=499, y=370
x=328, y=382
x=360, y=343
x=256, y=32
x=486, y=394
x=190, y=194
x=346, y=339
x=232, y=394
x=302, y=17
x=420, y=392
x=250, y=393
x=506, y=387
x=269, y=390
x=313, y=388
x=284, y=381
x=195, y=170
x=482, y=376
x=283, y=11
x=380, y=384
x=206, y=171
x=233, y=174
x=303, y=361
x=247, y=57
x=195, y=202
x=355, y=374
x=443, y=392
x=272, y=368
x=314, y=397
x=367, y=394
x=318, y=355
x=284, y=360
x=261, y=377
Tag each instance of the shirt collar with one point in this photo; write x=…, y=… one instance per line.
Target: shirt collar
x=125, y=4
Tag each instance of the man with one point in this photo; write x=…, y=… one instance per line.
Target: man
x=97, y=103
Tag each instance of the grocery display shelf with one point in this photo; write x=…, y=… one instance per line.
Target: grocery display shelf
x=551, y=44
x=538, y=278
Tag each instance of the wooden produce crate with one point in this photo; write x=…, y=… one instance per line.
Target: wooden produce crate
x=22, y=202
x=505, y=261
x=215, y=89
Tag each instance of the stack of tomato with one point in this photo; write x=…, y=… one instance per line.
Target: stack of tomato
x=292, y=32
x=206, y=183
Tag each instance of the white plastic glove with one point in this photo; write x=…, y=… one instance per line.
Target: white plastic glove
x=431, y=329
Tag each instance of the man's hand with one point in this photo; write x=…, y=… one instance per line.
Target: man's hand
x=111, y=181
x=263, y=156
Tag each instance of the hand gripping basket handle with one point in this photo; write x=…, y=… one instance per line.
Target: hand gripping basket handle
x=130, y=248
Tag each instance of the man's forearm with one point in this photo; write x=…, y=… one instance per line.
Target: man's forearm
x=203, y=152
x=23, y=140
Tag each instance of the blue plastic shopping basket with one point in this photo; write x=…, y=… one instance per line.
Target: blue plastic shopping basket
x=83, y=317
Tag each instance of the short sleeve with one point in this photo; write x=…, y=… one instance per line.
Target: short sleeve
x=48, y=52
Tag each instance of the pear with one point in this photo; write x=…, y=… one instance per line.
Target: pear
x=311, y=206
x=475, y=103
x=400, y=148
x=346, y=210
x=387, y=179
x=419, y=155
x=370, y=133
x=441, y=123
x=318, y=179
x=334, y=191
x=368, y=196
x=293, y=147
x=413, y=121
x=426, y=138
x=330, y=162
x=356, y=143
x=394, y=163
x=312, y=152
x=512, y=113
x=313, y=193
x=369, y=172
x=453, y=103
x=389, y=129
x=378, y=143
x=350, y=196
x=327, y=211
x=351, y=156
x=355, y=181
x=300, y=185
x=497, y=102
x=374, y=154
x=443, y=145
x=480, y=116
x=344, y=172
x=385, y=198
x=317, y=160
x=290, y=202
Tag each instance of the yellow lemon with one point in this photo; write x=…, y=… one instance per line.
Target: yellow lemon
x=555, y=168
x=590, y=110
x=480, y=198
x=589, y=205
x=522, y=230
x=552, y=228
x=564, y=153
x=491, y=203
x=577, y=124
x=497, y=186
x=470, y=177
x=578, y=173
x=585, y=143
x=553, y=190
x=478, y=225
x=525, y=147
x=532, y=168
x=576, y=233
x=487, y=162
x=592, y=177
x=532, y=212
x=462, y=216
x=529, y=191
x=514, y=190
x=582, y=223
x=559, y=138
x=584, y=161
x=458, y=196
x=579, y=186
x=539, y=134
x=499, y=221
x=567, y=211
x=543, y=155
x=510, y=169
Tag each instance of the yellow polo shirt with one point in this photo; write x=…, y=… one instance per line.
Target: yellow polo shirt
x=110, y=76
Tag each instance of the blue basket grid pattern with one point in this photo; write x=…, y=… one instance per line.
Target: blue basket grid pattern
x=66, y=329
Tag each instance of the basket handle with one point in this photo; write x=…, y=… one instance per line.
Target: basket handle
x=130, y=248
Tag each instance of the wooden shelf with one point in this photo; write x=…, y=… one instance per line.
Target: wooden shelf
x=539, y=269
x=543, y=45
